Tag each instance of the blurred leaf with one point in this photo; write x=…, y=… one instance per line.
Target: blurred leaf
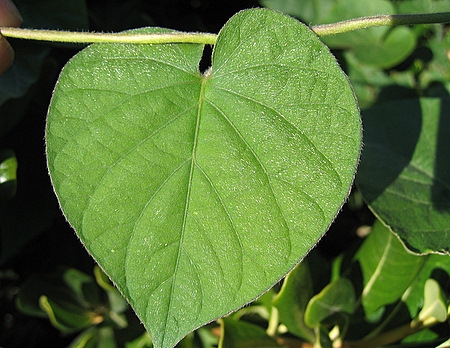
x=82, y=286
x=309, y=11
x=421, y=6
x=392, y=49
x=404, y=174
x=439, y=5
x=349, y=9
x=292, y=300
x=438, y=69
x=383, y=47
x=143, y=341
x=422, y=338
x=8, y=175
x=337, y=297
x=86, y=339
x=106, y=338
x=387, y=268
x=436, y=266
x=95, y=337
x=67, y=317
x=413, y=6
x=366, y=80
x=435, y=305
x=266, y=299
x=323, y=338
x=59, y=293
x=72, y=301
x=117, y=302
x=103, y=280
x=8, y=169
x=241, y=334
x=37, y=285
x=207, y=337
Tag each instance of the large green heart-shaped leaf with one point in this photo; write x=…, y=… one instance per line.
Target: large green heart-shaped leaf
x=197, y=192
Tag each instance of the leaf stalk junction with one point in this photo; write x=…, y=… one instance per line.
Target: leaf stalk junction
x=210, y=39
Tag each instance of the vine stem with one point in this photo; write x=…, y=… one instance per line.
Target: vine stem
x=88, y=37
x=210, y=39
x=376, y=21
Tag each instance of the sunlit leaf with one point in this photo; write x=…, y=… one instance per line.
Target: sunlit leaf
x=197, y=192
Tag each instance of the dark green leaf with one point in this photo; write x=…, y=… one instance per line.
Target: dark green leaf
x=292, y=300
x=404, y=174
x=240, y=334
x=63, y=287
x=66, y=316
x=337, y=297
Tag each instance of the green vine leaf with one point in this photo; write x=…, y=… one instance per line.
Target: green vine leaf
x=404, y=174
x=242, y=334
x=337, y=297
x=197, y=192
x=387, y=268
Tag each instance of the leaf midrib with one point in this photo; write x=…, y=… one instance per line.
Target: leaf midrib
x=186, y=208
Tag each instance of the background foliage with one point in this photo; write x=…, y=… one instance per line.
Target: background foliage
x=64, y=301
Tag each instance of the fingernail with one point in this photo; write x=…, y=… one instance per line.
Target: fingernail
x=9, y=14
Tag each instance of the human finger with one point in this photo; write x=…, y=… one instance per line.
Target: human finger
x=9, y=14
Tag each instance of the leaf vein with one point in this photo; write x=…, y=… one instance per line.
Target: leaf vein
x=261, y=166
x=219, y=197
x=298, y=130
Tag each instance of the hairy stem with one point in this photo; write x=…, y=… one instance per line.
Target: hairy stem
x=376, y=21
x=86, y=37
x=210, y=39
